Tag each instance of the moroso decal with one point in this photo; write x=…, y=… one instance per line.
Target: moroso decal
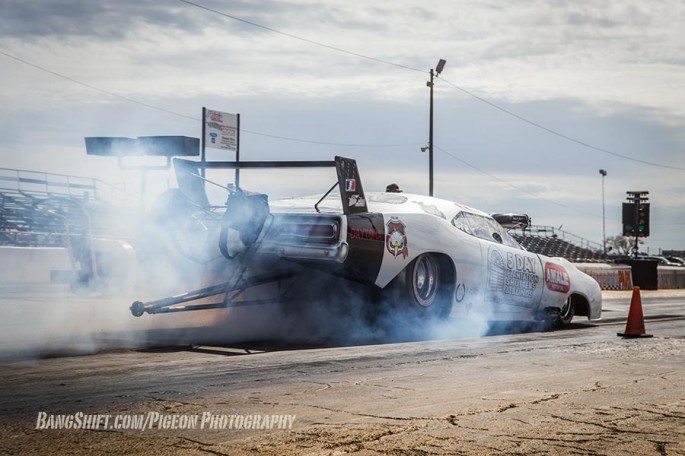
x=556, y=278
x=396, y=238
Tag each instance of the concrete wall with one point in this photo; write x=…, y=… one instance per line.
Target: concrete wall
x=53, y=265
x=32, y=265
x=618, y=277
x=671, y=277
x=609, y=276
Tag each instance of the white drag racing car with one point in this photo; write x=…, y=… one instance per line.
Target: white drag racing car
x=426, y=255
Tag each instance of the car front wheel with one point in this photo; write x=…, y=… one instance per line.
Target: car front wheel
x=566, y=314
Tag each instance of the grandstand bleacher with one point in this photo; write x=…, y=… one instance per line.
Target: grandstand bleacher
x=47, y=209
x=554, y=242
x=40, y=211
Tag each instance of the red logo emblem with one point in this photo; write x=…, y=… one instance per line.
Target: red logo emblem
x=396, y=239
x=556, y=278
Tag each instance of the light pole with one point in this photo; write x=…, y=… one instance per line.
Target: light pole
x=434, y=73
x=604, y=226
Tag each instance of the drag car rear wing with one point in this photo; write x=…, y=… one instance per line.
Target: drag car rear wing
x=191, y=183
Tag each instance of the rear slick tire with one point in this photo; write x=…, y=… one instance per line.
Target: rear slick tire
x=423, y=288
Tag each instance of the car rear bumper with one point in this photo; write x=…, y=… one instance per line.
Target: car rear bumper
x=336, y=252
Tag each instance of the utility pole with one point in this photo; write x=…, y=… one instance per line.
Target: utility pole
x=604, y=224
x=433, y=73
x=430, y=140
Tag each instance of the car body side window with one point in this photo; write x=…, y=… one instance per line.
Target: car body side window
x=484, y=228
x=481, y=227
x=502, y=236
x=460, y=221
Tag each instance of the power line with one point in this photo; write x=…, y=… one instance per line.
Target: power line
x=92, y=87
x=556, y=133
x=355, y=54
x=299, y=38
x=325, y=143
x=469, y=93
x=132, y=100
x=286, y=138
x=147, y=105
x=492, y=176
x=196, y=119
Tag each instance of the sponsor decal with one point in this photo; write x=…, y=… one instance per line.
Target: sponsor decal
x=364, y=234
x=366, y=237
x=460, y=292
x=512, y=274
x=612, y=279
x=556, y=278
x=221, y=130
x=350, y=185
x=356, y=201
x=625, y=279
x=396, y=239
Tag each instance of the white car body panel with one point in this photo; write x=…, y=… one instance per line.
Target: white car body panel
x=511, y=280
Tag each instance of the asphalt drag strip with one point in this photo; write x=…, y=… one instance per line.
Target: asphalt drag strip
x=582, y=390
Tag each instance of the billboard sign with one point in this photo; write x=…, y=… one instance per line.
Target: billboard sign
x=221, y=130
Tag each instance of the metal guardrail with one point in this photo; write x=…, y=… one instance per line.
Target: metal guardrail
x=37, y=182
x=553, y=232
x=47, y=209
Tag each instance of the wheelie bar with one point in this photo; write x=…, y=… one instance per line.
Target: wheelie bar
x=165, y=305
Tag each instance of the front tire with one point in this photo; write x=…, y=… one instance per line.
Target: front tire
x=566, y=314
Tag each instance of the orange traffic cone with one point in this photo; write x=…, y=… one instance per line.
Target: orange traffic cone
x=635, y=326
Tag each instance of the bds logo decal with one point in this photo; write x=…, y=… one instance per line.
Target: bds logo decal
x=557, y=278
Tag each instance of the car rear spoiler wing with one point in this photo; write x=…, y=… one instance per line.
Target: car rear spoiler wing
x=190, y=181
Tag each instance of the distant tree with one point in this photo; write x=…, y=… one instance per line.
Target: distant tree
x=621, y=245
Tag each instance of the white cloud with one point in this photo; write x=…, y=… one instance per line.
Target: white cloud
x=608, y=73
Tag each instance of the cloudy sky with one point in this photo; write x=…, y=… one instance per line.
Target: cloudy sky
x=535, y=98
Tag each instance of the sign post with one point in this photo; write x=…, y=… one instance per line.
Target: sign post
x=237, y=150
x=221, y=130
x=203, y=156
